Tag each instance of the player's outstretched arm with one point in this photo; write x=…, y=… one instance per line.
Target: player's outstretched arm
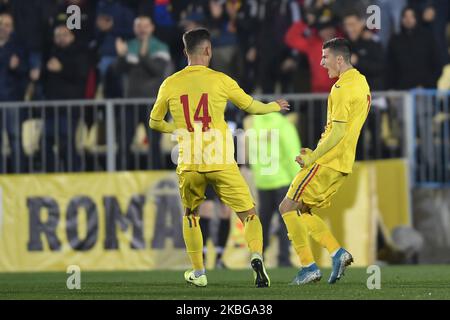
x=258, y=107
x=308, y=157
x=159, y=111
x=246, y=102
x=162, y=126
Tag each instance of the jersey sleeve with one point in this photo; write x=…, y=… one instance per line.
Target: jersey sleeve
x=161, y=105
x=235, y=93
x=341, y=105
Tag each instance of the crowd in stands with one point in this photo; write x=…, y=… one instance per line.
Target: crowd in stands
x=125, y=49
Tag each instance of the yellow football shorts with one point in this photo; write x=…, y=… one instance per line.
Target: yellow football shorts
x=315, y=185
x=228, y=184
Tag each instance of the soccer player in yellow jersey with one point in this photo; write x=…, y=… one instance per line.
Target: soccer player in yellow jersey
x=325, y=168
x=196, y=98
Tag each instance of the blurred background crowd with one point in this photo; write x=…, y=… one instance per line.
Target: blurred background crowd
x=126, y=48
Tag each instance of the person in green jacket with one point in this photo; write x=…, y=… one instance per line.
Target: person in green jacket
x=272, y=161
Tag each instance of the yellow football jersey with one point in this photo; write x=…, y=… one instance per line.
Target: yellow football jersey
x=196, y=98
x=349, y=101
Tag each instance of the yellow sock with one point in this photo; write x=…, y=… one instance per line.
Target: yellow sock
x=298, y=233
x=320, y=232
x=194, y=241
x=253, y=234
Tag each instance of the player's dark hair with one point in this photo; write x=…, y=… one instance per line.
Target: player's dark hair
x=339, y=47
x=195, y=37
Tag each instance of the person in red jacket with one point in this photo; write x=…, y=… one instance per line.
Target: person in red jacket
x=309, y=41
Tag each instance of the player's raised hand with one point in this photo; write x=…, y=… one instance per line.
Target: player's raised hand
x=284, y=105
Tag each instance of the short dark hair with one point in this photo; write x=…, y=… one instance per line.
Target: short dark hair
x=340, y=47
x=195, y=37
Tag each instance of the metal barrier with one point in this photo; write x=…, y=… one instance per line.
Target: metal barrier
x=431, y=165
x=112, y=135
x=75, y=136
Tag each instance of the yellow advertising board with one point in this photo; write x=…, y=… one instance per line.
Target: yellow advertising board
x=132, y=220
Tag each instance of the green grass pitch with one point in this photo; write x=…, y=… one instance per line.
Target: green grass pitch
x=397, y=282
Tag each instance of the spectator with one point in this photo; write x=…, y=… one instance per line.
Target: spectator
x=85, y=34
x=247, y=25
x=265, y=58
x=12, y=84
x=367, y=54
x=391, y=16
x=413, y=60
x=66, y=69
x=223, y=36
x=309, y=41
x=166, y=15
x=113, y=21
x=32, y=20
x=145, y=60
x=64, y=78
x=276, y=62
x=12, y=62
x=434, y=15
